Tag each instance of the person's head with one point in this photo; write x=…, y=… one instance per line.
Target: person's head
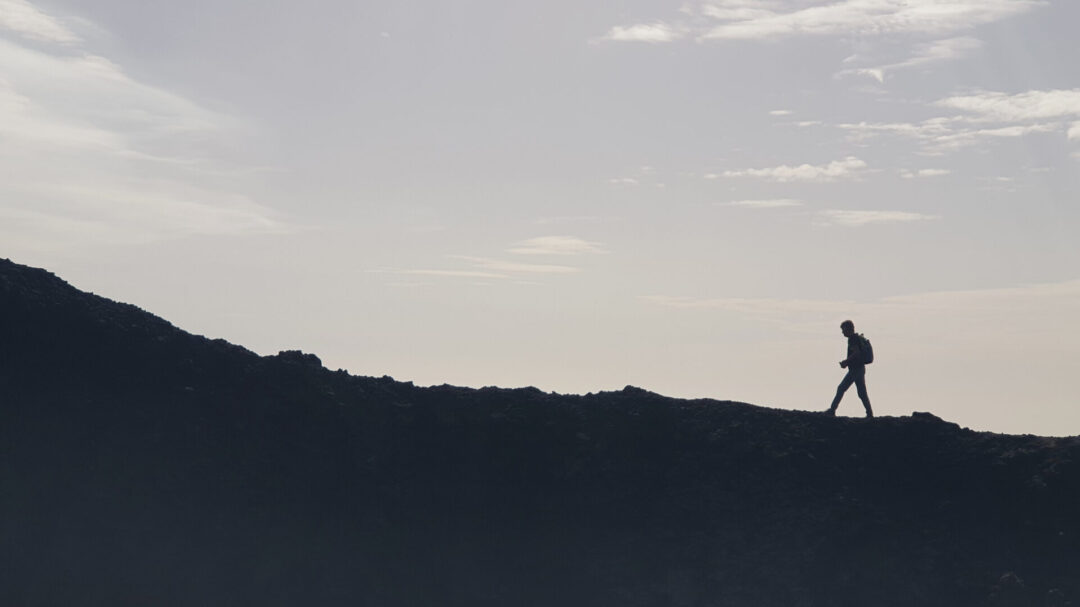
x=848, y=328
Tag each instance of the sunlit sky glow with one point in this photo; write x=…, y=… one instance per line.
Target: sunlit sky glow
x=576, y=196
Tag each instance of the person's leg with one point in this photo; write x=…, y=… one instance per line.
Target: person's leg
x=860, y=387
x=844, y=385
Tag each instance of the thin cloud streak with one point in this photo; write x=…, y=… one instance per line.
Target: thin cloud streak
x=990, y=106
x=925, y=130
x=925, y=173
x=495, y=269
x=556, y=245
x=569, y=219
x=451, y=273
x=837, y=169
x=942, y=135
x=69, y=92
x=857, y=219
x=21, y=17
x=867, y=18
x=81, y=138
x=773, y=203
x=938, y=51
x=511, y=267
x=652, y=33
x=971, y=137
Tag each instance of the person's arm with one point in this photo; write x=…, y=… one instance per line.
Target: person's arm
x=854, y=354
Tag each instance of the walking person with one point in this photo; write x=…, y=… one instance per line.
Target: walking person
x=859, y=353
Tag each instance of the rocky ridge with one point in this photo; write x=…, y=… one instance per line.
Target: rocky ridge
x=143, y=465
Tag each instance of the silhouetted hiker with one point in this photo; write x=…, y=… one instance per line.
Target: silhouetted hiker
x=859, y=353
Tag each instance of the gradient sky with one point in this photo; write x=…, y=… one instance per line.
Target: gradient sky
x=576, y=196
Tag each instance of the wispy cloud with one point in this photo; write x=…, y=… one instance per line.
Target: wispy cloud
x=928, y=129
x=449, y=273
x=942, y=135
x=556, y=245
x=623, y=181
x=57, y=95
x=1074, y=132
x=937, y=51
x=989, y=106
x=569, y=219
x=644, y=32
x=863, y=17
x=82, y=138
x=837, y=169
x=856, y=219
x=474, y=267
x=780, y=113
x=925, y=54
x=172, y=211
x=23, y=18
x=511, y=267
x=72, y=103
x=924, y=173
x=965, y=138
x=738, y=10
x=129, y=217
x=892, y=35
x=772, y=203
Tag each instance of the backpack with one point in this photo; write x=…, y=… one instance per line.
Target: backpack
x=866, y=350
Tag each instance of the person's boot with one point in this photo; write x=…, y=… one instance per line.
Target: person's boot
x=831, y=412
x=869, y=411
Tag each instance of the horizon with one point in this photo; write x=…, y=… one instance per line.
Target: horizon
x=577, y=198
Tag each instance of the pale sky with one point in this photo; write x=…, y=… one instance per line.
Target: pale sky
x=576, y=196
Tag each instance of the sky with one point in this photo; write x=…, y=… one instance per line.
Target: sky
x=685, y=197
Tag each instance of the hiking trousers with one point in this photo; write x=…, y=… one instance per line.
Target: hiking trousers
x=856, y=375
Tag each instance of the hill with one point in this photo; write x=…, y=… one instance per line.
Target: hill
x=143, y=465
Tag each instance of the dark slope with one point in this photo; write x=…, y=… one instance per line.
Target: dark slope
x=141, y=465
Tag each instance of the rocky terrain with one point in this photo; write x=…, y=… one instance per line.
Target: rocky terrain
x=142, y=465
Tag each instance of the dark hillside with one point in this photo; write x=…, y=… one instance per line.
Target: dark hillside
x=141, y=465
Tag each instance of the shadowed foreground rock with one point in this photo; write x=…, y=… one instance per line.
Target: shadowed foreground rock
x=141, y=465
